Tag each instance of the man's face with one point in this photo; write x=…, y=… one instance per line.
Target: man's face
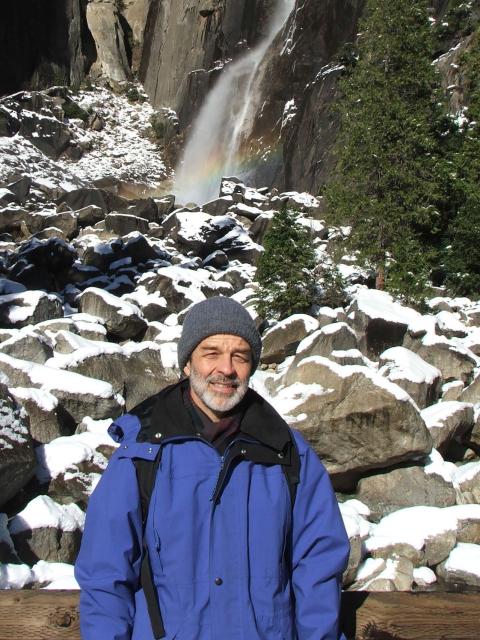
x=219, y=370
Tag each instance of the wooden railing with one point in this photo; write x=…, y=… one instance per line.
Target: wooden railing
x=53, y=615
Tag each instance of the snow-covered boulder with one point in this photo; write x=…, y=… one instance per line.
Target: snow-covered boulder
x=333, y=337
x=454, y=362
x=283, y=338
x=462, y=565
x=467, y=482
x=418, y=378
x=179, y=286
x=46, y=418
x=447, y=422
x=424, y=535
x=392, y=574
x=21, y=309
x=17, y=461
x=54, y=575
x=450, y=325
x=355, y=419
x=135, y=370
x=379, y=321
x=219, y=206
x=46, y=530
x=472, y=392
x=78, y=395
x=410, y=486
x=122, y=319
x=468, y=517
x=27, y=344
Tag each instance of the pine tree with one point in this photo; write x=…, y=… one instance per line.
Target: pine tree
x=285, y=269
x=462, y=259
x=386, y=185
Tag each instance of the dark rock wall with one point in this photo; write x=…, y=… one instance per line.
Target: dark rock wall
x=44, y=42
x=184, y=39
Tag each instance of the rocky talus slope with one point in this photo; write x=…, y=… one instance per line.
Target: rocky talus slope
x=93, y=291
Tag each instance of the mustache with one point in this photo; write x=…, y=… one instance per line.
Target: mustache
x=233, y=380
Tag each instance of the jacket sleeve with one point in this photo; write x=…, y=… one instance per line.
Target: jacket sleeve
x=320, y=550
x=108, y=564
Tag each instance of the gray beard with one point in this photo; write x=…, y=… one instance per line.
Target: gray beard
x=210, y=398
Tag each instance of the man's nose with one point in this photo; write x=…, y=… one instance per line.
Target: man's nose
x=225, y=365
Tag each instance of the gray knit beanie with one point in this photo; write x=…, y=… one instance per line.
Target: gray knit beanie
x=213, y=316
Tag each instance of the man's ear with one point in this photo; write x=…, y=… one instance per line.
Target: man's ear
x=186, y=369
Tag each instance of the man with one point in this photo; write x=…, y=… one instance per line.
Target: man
x=235, y=552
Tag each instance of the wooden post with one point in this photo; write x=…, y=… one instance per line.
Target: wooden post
x=53, y=615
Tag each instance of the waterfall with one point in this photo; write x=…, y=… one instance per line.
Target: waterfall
x=225, y=120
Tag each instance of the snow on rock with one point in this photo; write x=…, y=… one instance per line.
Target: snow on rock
x=450, y=325
x=468, y=516
x=122, y=319
x=28, y=307
x=356, y=419
x=15, y=576
x=43, y=512
x=397, y=575
x=424, y=535
x=424, y=577
x=435, y=464
x=121, y=149
x=462, y=565
x=54, y=575
x=448, y=421
x=467, y=482
x=47, y=530
x=418, y=378
x=282, y=339
x=379, y=320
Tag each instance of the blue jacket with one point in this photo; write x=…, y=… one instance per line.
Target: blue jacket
x=243, y=566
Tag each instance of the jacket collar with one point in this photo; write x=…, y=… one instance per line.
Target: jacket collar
x=165, y=416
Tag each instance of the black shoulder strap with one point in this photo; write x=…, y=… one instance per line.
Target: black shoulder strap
x=146, y=473
x=292, y=471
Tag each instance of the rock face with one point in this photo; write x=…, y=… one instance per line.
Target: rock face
x=49, y=42
x=214, y=30
x=104, y=24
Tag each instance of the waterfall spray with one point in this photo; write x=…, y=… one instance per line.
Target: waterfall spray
x=225, y=120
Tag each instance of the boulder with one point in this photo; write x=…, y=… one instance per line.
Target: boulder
x=447, y=422
x=452, y=390
x=407, y=486
x=7, y=550
x=51, y=136
x=219, y=206
x=46, y=418
x=423, y=535
x=333, y=337
x=123, y=223
x=45, y=530
x=454, y=362
x=66, y=222
x=89, y=215
x=418, y=378
x=123, y=320
x=17, y=462
x=30, y=307
x=472, y=392
x=11, y=219
x=468, y=517
x=78, y=395
x=357, y=529
x=86, y=196
x=283, y=339
x=396, y=575
x=43, y=264
x=466, y=480
x=462, y=566
x=153, y=306
x=27, y=344
x=179, y=286
x=379, y=322
x=450, y=325
x=355, y=419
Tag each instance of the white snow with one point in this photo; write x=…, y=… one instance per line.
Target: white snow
x=400, y=364
x=22, y=305
x=369, y=568
x=464, y=557
x=121, y=307
x=379, y=304
x=43, y=399
x=466, y=473
x=413, y=526
x=424, y=576
x=435, y=464
x=15, y=576
x=43, y=512
x=436, y=415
